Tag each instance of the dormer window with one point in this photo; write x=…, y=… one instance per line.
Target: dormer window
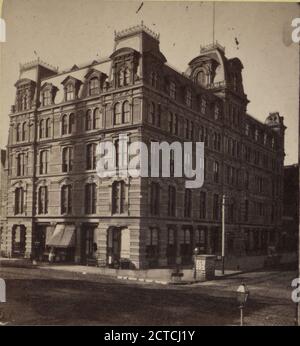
x=46, y=97
x=94, y=86
x=173, y=90
x=70, y=92
x=124, y=77
x=201, y=77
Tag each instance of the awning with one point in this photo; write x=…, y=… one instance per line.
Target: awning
x=63, y=236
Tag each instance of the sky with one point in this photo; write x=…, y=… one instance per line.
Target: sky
x=68, y=32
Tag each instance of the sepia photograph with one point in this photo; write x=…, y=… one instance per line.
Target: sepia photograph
x=149, y=168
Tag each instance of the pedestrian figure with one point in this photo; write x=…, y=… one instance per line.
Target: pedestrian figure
x=52, y=255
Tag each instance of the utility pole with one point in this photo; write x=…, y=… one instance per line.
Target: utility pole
x=223, y=234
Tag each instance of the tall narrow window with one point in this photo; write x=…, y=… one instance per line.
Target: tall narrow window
x=172, y=201
x=188, y=203
x=216, y=112
x=19, y=200
x=216, y=172
x=66, y=199
x=203, y=105
x=89, y=120
x=20, y=165
x=202, y=205
x=152, y=113
x=67, y=159
x=48, y=128
x=94, y=86
x=117, y=114
x=64, y=124
x=125, y=112
x=216, y=207
x=97, y=119
x=90, y=198
x=44, y=162
x=43, y=200
x=173, y=90
x=121, y=78
x=126, y=76
x=46, y=98
x=246, y=214
x=188, y=97
x=154, y=199
x=170, y=121
x=42, y=128
x=24, y=131
x=71, y=123
x=70, y=92
x=118, y=197
x=18, y=133
x=91, y=156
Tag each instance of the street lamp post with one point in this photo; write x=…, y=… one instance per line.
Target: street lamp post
x=242, y=297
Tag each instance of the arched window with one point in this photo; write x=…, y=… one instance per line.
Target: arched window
x=64, y=124
x=70, y=92
x=94, y=86
x=19, y=200
x=66, y=199
x=89, y=120
x=44, y=162
x=24, y=131
x=97, y=119
x=126, y=76
x=42, y=128
x=71, y=123
x=18, y=133
x=43, y=200
x=117, y=114
x=118, y=197
x=91, y=156
x=126, y=112
x=48, y=128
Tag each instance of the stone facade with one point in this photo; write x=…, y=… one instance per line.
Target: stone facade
x=290, y=231
x=3, y=201
x=59, y=117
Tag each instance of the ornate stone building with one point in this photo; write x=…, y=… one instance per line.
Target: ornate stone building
x=56, y=199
